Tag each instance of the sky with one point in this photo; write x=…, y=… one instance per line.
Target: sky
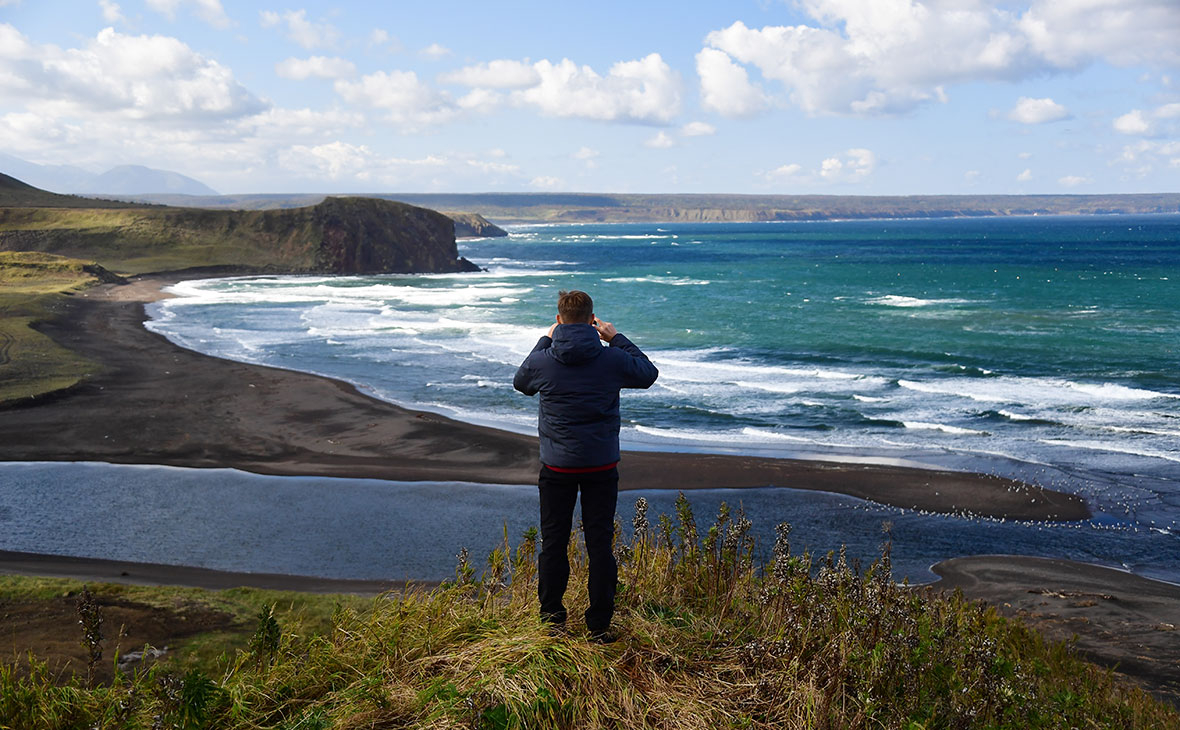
x=847, y=97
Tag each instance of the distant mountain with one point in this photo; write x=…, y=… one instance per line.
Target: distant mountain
x=124, y=180
x=139, y=180
x=18, y=194
x=58, y=178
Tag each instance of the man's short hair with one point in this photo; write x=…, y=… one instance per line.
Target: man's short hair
x=575, y=307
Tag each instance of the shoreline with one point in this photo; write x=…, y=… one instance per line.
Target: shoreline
x=153, y=402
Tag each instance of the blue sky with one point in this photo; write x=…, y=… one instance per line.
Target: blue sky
x=768, y=96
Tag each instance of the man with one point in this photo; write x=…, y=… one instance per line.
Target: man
x=579, y=382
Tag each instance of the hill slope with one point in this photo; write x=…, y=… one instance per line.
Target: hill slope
x=338, y=236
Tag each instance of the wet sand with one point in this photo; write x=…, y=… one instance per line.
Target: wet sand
x=1122, y=621
x=152, y=402
x=154, y=574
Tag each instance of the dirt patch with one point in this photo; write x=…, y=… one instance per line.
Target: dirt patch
x=50, y=631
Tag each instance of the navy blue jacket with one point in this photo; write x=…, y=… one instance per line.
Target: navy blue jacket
x=579, y=382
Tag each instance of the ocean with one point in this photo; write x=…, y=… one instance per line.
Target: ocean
x=1043, y=349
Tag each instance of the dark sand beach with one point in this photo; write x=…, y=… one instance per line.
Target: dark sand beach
x=156, y=403
x=152, y=402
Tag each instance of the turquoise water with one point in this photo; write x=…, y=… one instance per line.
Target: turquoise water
x=1041, y=347
x=1038, y=349
x=1034, y=348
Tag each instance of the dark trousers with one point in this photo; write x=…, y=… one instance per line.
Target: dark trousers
x=600, y=491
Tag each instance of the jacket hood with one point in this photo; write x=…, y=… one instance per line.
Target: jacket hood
x=575, y=343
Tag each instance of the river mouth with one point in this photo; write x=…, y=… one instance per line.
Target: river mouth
x=224, y=519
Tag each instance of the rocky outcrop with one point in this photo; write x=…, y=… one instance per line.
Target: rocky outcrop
x=365, y=235
x=337, y=236
x=474, y=225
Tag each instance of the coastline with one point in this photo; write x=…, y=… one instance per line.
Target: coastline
x=154, y=402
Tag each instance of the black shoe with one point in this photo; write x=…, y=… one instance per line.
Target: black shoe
x=604, y=636
x=555, y=629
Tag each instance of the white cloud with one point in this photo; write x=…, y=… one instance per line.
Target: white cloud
x=1150, y=124
x=871, y=56
x=784, y=172
x=1072, y=181
x=499, y=74
x=349, y=163
x=852, y=166
x=494, y=169
x=1037, y=111
x=660, y=141
x=1025, y=176
x=1133, y=122
x=698, y=129
x=726, y=87
x=209, y=11
x=382, y=37
x=135, y=76
x=299, y=29
x=332, y=160
x=435, y=51
x=1142, y=157
x=587, y=156
x=321, y=67
x=644, y=91
x=283, y=125
x=111, y=13
x=407, y=101
x=857, y=164
x=545, y=183
x=480, y=100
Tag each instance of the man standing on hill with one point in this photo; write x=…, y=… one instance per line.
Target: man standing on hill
x=579, y=382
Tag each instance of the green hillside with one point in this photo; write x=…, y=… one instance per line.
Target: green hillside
x=32, y=288
x=14, y=193
x=339, y=235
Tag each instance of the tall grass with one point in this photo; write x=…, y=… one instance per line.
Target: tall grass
x=711, y=638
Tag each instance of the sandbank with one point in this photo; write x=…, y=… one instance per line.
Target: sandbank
x=152, y=402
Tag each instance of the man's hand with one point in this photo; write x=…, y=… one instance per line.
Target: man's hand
x=606, y=330
x=552, y=327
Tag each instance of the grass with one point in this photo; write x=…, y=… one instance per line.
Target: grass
x=710, y=640
x=33, y=288
x=139, y=240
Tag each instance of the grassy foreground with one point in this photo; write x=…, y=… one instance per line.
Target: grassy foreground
x=33, y=286
x=709, y=639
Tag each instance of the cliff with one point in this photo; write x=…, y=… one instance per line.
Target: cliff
x=474, y=225
x=365, y=235
x=337, y=236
